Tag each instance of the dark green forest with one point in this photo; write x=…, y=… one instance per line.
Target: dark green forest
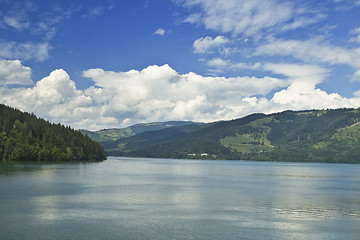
x=301, y=136
x=25, y=137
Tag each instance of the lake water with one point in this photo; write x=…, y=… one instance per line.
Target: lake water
x=125, y=198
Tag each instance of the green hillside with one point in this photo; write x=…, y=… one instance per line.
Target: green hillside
x=316, y=135
x=24, y=137
x=109, y=138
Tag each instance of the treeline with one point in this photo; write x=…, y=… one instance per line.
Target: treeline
x=24, y=137
x=301, y=136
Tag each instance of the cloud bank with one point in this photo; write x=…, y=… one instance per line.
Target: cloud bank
x=159, y=93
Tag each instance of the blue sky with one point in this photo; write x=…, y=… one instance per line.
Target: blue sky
x=102, y=64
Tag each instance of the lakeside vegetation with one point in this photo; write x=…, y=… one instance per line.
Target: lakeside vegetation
x=301, y=136
x=24, y=137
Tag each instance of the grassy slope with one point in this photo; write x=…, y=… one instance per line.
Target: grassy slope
x=251, y=142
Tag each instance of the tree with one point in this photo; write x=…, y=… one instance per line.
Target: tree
x=24, y=137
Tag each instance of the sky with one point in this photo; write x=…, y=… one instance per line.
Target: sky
x=109, y=64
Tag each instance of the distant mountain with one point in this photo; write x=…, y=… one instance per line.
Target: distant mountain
x=108, y=137
x=24, y=137
x=303, y=136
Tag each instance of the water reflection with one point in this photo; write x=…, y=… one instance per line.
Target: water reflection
x=182, y=199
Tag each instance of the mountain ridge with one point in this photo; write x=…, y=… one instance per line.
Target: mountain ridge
x=331, y=135
x=113, y=134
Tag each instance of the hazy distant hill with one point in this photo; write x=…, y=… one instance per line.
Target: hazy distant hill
x=317, y=135
x=107, y=137
x=24, y=137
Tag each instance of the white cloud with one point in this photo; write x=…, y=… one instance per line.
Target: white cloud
x=24, y=51
x=346, y=4
x=313, y=50
x=316, y=51
x=355, y=39
x=355, y=30
x=306, y=96
x=162, y=82
x=299, y=73
x=12, y=72
x=301, y=22
x=29, y=17
x=207, y=44
x=227, y=64
x=356, y=76
x=298, y=96
x=159, y=93
x=302, y=93
x=219, y=63
x=16, y=22
x=263, y=22
x=16, y=15
x=160, y=32
x=355, y=35
x=249, y=18
x=55, y=98
x=242, y=65
x=156, y=93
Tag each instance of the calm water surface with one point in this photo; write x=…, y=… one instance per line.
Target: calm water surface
x=124, y=198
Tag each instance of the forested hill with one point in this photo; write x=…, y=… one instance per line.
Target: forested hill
x=311, y=136
x=24, y=137
x=111, y=135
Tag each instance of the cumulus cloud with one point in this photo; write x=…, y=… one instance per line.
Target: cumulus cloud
x=24, y=51
x=156, y=93
x=12, y=72
x=159, y=93
x=302, y=92
x=302, y=95
x=207, y=44
x=54, y=97
x=298, y=96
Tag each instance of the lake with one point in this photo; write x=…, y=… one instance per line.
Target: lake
x=128, y=198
